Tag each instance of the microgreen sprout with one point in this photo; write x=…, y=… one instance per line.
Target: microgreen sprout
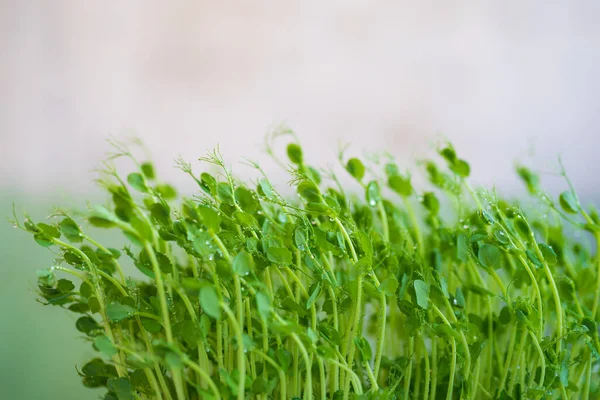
x=372, y=290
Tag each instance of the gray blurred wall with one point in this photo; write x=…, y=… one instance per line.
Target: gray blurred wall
x=498, y=78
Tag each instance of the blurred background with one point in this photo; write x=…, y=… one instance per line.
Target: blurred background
x=504, y=81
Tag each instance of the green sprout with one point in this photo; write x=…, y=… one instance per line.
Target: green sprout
x=242, y=292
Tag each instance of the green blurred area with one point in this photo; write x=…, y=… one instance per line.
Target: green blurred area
x=40, y=348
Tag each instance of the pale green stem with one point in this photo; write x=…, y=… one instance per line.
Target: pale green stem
x=100, y=296
x=281, y=372
x=160, y=288
x=453, y=362
x=204, y=375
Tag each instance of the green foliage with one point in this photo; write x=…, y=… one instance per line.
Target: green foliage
x=240, y=293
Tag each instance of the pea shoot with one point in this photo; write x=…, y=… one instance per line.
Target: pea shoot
x=375, y=289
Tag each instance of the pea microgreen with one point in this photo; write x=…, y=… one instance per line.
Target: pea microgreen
x=373, y=290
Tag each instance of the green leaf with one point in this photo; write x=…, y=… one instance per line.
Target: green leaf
x=87, y=325
x=121, y=387
x=160, y=213
x=49, y=230
x=245, y=219
x=462, y=248
x=263, y=305
x=290, y=305
x=46, y=277
x=486, y=217
x=534, y=259
x=173, y=360
x=225, y=193
x=101, y=217
x=313, y=174
x=151, y=325
x=548, y=253
x=489, y=256
x=569, y=202
x=137, y=182
x=148, y=170
x=403, y=286
x=190, y=333
x=422, y=293
x=531, y=180
x=400, y=185
x=309, y=191
x=97, y=367
x=449, y=154
x=444, y=330
x=389, y=286
x=459, y=299
x=143, y=230
x=105, y=346
x=209, y=300
x=85, y=290
x=364, y=349
x=363, y=242
x=591, y=326
x=360, y=268
x=300, y=239
x=315, y=291
x=355, y=168
x=94, y=304
x=431, y=203
x=522, y=227
x=259, y=385
x=80, y=308
x=208, y=183
x=243, y=263
x=476, y=349
x=167, y=192
x=43, y=240
x=477, y=235
x=461, y=168
x=117, y=312
x=246, y=200
x=71, y=230
x=65, y=286
x=210, y=218
x=294, y=152
x=564, y=368
x=279, y=255
x=265, y=189
x=373, y=193
x=505, y=315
